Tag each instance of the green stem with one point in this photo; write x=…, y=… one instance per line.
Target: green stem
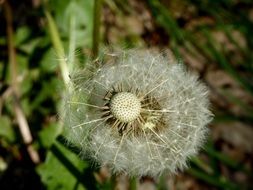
x=133, y=183
x=162, y=182
x=72, y=41
x=96, y=27
x=55, y=37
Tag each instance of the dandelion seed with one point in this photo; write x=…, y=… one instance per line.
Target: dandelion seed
x=139, y=114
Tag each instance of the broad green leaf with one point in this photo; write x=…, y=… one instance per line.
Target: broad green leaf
x=55, y=172
x=48, y=134
x=79, y=10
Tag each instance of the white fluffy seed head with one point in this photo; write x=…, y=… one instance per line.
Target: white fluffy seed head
x=125, y=106
x=139, y=113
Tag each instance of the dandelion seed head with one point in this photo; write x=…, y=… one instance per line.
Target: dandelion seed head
x=125, y=106
x=140, y=113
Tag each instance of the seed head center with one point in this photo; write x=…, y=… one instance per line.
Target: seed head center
x=125, y=106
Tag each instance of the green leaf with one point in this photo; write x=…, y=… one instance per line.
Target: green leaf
x=6, y=129
x=49, y=61
x=60, y=168
x=22, y=34
x=83, y=27
x=82, y=11
x=48, y=134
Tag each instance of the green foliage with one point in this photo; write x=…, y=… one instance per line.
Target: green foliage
x=6, y=130
x=48, y=134
x=81, y=12
x=40, y=81
x=56, y=173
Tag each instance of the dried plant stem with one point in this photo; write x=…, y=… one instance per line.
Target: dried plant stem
x=21, y=119
x=96, y=27
x=25, y=131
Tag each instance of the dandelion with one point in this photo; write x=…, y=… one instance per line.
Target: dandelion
x=139, y=114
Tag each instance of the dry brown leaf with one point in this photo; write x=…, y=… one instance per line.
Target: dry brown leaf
x=200, y=21
x=226, y=88
x=122, y=182
x=197, y=63
x=223, y=41
x=146, y=185
x=236, y=133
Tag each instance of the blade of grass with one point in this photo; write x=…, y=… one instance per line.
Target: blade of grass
x=225, y=159
x=229, y=117
x=164, y=18
x=222, y=61
x=238, y=102
x=219, y=181
x=217, y=9
x=202, y=165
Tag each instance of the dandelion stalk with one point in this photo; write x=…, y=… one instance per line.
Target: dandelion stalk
x=72, y=41
x=133, y=183
x=55, y=37
x=96, y=27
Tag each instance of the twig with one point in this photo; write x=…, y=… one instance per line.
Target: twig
x=25, y=131
x=22, y=122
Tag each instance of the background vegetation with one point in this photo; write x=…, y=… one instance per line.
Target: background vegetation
x=37, y=40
